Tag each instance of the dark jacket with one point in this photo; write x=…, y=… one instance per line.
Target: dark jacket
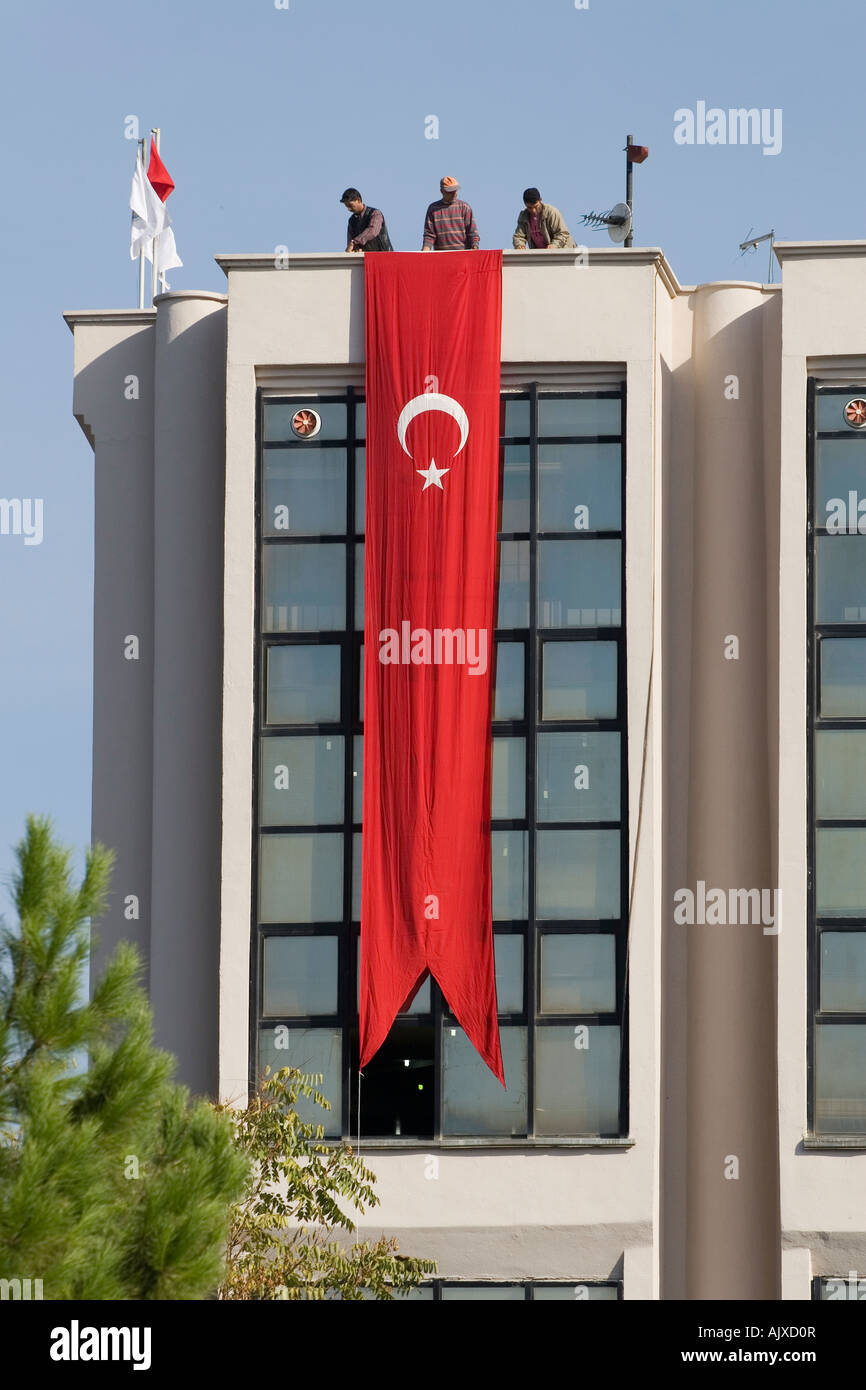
x=359, y=222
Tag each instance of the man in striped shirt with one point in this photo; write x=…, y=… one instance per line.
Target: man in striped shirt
x=450, y=224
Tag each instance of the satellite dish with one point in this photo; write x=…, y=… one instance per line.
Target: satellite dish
x=618, y=222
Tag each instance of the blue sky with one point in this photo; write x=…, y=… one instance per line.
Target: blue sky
x=266, y=115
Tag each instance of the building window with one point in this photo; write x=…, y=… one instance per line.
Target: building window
x=559, y=798
x=839, y=1288
x=837, y=759
x=440, y=1290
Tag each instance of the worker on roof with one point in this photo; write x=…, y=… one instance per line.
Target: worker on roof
x=449, y=224
x=366, y=230
x=540, y=226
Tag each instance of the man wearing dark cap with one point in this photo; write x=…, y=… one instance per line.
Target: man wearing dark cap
x=449, y=224
x=540, y=226
x=367, y=230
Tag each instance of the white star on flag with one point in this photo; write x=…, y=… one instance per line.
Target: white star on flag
x=432, y=476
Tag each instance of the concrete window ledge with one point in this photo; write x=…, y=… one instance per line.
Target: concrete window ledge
x=512, y=1145
x=824, y=1143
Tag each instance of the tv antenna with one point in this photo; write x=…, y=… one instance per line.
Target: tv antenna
x=617, y=221
x=751, y=244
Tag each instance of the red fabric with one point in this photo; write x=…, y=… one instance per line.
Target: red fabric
x=433, y=332
x=161, y=180
x=636, y=154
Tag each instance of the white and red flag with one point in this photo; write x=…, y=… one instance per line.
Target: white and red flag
x=433, y=329
x=150, y=216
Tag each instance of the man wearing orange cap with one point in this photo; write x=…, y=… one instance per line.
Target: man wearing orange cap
x=449, y=224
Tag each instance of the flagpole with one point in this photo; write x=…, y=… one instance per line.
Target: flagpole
x=141, y=148
x=154, y=289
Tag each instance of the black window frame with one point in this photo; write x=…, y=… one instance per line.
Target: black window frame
x=534, y=638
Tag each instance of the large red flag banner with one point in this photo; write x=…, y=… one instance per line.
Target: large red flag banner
x=433, y=331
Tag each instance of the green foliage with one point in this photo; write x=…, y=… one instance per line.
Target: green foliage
x=113, y=1185
x=279, y=1245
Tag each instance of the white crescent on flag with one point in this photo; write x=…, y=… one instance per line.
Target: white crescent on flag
x=432, y=400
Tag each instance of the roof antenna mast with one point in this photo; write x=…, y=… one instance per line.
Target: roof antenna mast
x=751, y=244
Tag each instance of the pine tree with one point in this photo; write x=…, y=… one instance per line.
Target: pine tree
x=281, y=1240
x=113, y=1183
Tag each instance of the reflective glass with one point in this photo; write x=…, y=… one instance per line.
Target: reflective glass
x=316, y=1051
x=360, y=490
x=840, y=774
x=840, y=570
x=840, y=880
x=473, y=1101
x=508, y=849
x=300, y=975
x=578, y=776
x=577, y=874
x=359, y=588
x=577, y=1080
x=513, y=584
x=304, y=492
x=840, y=1078
x=581, y=415
x=508, y=697
x=579, y=680
x=578, y=973
x=579, y=584
x=303, y=588
x=484, y=1293
x=830, y=409
x=303, y=685
x=843, y=972
x=516, y=422
x=840, y=469
x=301, y=878
x=508, y=950
x=579, y=487
x=514, y=492
x=301, y=780
x=278, y=419
x=357, y=861
x=509, y=779
x=357, y=777
x=843, y=677
x=580, y=1293
x=360, y=419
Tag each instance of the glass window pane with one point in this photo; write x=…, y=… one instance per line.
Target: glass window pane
x=508, y=948
x=473, y=1101
x=303, y=588
x=578, y=973
x=830, y=411
x=361, y=683
x=304, y=492
x=509, y=779
x=278, y=419
x=508, y=697
x=580, y=415
x=357, y=861
x=303, y=685
x=301, y=780
x=515, y=424
x=359, y=588
x=484, y=1293
x=579, y=584
x=840, y=881
x=840, y=469
x=579, y=487
x=578, y=776
x=514, y=492
x=581, y=1293
x=577, y=874
x=513, y=608
x=301, y=878
x=360, y=491
x=840, y=565
x=508, y=850
x=300, y=975
x=360, y=419
x=840, y=774
x=316, y=1051
x=840, y=1078
x=579, y=680
x=577, y=1080
x=843, y=677
x=843, y=971
x=357, y=777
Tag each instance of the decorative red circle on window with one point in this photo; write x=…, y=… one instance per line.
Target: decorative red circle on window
x=855, y=414
x=306, y=423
